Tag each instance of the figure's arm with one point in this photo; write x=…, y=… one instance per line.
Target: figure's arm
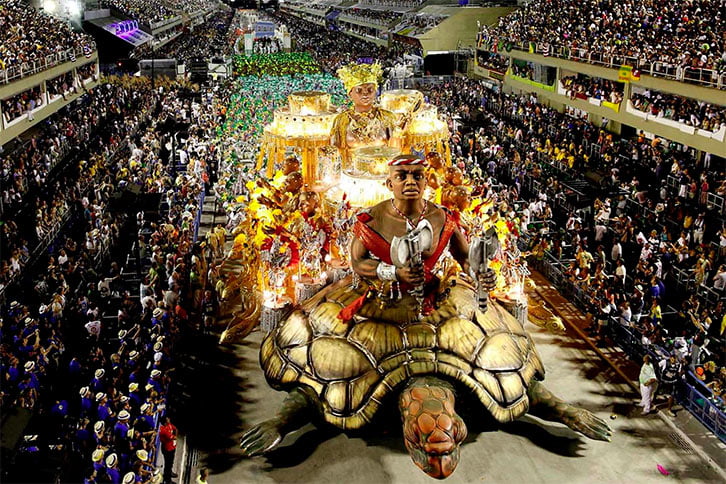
x=368, y=268
x=363, y=265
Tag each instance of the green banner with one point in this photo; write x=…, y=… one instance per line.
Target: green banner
x=532, y=83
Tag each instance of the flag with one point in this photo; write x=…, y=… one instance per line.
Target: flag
x=546, y=49
x=72, y=55
x=87, y=51
x=628, y=74
x=532, y=47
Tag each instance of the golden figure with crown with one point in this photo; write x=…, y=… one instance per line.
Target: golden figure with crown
x=364, y=124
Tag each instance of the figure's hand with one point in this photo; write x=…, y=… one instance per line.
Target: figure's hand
x=589, y=425
x=261, y=438
x=488, y=280
x=411, y=275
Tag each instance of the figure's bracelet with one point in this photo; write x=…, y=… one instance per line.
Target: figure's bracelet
x=386, y=272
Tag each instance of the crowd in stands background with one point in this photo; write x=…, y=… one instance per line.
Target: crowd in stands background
x=687, y=34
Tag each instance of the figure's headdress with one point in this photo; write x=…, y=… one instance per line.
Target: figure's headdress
x=356, y=74
x=407, y=160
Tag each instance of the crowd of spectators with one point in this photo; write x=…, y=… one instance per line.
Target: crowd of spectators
x=642, y=245
x=415, y=24
x=493, y=61
x=36, y=202
x=581, y=85
x=685, y=110
x=100, y=385
x=61, y=85
x=381, y=17
x=392, y=3
x=686, y=34
x=203, y=42
x=22, y=103
x=153, y=11
x=331, y=48
x=27, y=36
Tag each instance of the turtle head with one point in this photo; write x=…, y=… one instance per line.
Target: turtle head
x=432, y=430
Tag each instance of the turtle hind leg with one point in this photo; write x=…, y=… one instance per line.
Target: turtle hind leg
x=545, y=405
x=296, y=411
x=432, y=430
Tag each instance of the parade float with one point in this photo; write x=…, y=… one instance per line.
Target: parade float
x=319, y=164
x=377, y=269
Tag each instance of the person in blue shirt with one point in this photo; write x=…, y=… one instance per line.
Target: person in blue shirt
x=112, y=470
x=121, y=428
x=98, y=462
x=155, y=380
x=145, y=422
x=103, y=411
x=12, y=374
x=86, y=402
x=135, y=395
x=83, y=433
x=74, y=367
x=97, y=384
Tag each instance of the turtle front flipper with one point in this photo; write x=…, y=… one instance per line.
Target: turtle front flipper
x=296, y=411
x=545, y=405
x=431, y=428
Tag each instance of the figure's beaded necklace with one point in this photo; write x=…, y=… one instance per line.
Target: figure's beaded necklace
x=409, y=222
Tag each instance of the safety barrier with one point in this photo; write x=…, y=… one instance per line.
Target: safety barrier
x=29, y=68
x=692, y=393
x=692, y=75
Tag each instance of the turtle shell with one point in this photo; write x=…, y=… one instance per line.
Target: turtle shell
x=353, y=365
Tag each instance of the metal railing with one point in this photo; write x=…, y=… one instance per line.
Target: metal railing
x=705, y=77
x=413, y=82
x=25, y=69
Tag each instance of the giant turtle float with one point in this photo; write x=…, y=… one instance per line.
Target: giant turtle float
x=345, y=372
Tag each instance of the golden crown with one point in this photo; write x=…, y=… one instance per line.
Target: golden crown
x=356, y=74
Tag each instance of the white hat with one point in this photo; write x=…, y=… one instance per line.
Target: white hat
x=29, y=366
x=158, y=346
x=134, y=354
x=142, y=454
x=158, y=356
x=133, y=386
x=84, y=391
x=122, y=334
x=130, y=433
x=14, y=304
x=100, y=396
x=43, y=308
x=148, y=387
x=97, y=455
x=129, y=478
x=144, y=407
x=155, y=373
x=111, y=460
x=157, y=312
x=124, y=399
x=28, y=320
x=99, y=426
x=99, y=373
x=123, y=415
